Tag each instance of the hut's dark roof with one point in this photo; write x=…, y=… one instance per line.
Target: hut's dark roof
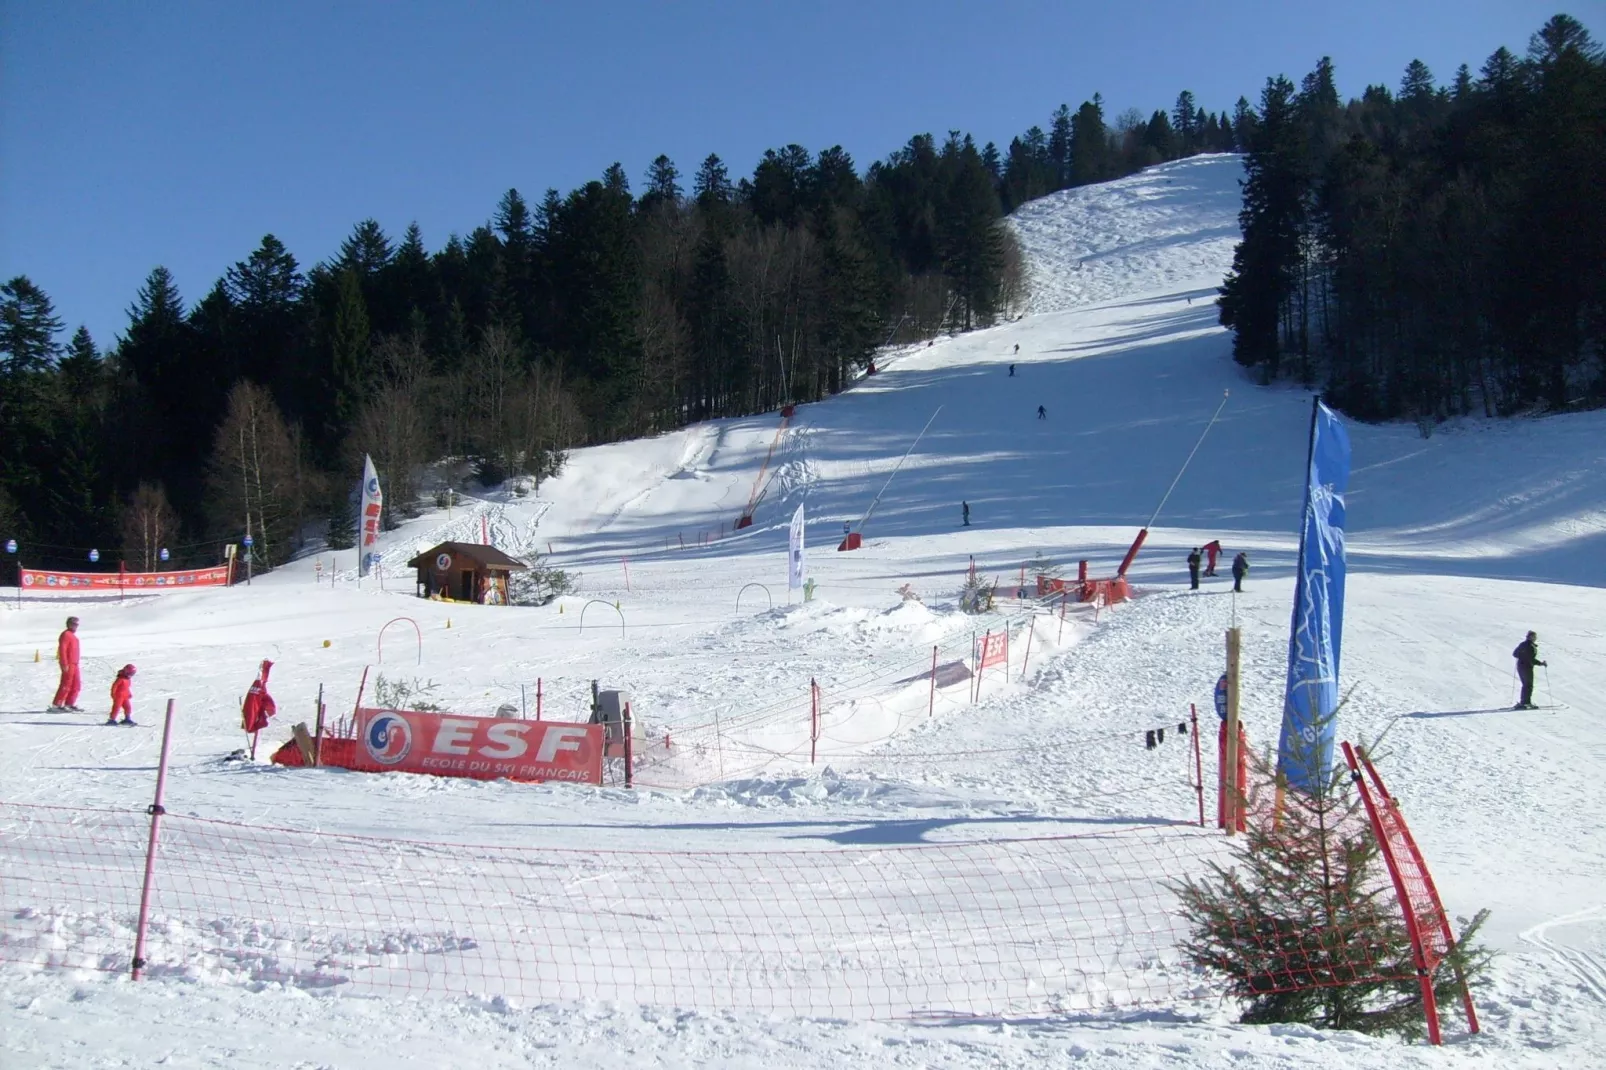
x=488, y=557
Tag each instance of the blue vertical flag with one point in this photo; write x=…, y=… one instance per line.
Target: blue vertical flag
x=1305, y=752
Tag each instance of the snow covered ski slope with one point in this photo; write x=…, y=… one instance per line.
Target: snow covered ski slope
x=971, y=946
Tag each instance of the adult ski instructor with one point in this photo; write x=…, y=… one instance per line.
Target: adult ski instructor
x=1527, y=655
x=67, y=658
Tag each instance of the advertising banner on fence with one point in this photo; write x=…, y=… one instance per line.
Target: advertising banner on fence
x=44, y=580
x=994, y=649
x=480, y=748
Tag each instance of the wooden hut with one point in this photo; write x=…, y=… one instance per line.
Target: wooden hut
x=465, y=572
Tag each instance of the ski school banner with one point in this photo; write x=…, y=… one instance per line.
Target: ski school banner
x=480, y=748
x=43, y=580
x=373, y=501
x=1305, y=751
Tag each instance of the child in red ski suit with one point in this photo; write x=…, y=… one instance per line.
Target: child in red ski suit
x=123, y=695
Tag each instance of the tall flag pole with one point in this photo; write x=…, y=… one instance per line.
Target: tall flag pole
x=373, y=501
x=1305, y=750
x=795, y=567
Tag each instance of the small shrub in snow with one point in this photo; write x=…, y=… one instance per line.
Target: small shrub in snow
x=540, y=584
x=405, y=695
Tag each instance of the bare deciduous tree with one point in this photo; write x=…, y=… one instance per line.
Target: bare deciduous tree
x=149, y=523
x=255, y=481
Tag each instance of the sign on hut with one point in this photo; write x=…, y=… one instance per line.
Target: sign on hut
x=465, y=572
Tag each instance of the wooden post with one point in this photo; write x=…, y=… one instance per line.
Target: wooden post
x=304, y=744
x=317, y=740
x=1229, y=774
x=630, y=756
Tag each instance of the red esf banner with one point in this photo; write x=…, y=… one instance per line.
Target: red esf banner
x=481, y=748
x=38, y=579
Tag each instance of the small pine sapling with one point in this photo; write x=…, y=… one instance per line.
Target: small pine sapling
x=1303, y=925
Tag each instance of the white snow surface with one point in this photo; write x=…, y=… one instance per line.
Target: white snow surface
x=1458, y=544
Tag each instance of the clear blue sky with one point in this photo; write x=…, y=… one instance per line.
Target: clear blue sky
x=144, y=133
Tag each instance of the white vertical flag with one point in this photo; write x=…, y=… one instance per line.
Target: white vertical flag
x=794, y=561
x=368, y=523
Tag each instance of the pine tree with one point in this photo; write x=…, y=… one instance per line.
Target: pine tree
x=349, y=371
x=28, y=328
x=1185, y=121
x=1059, y=146
x=1089, y=142
x=663, y=186
x=712, y=187
x=1304, y=925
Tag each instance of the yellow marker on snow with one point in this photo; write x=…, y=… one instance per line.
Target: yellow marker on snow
x=448, y=622
x=326, y=644
x=36, y=657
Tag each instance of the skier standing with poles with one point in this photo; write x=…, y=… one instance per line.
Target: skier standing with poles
x=1193, y=569
x=1527, y=655
x=1240, y=569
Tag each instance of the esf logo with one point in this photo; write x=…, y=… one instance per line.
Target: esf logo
x=373, y=487
x=500, y=740
x=389, y=738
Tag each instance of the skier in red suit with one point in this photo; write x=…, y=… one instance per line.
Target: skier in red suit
x=123, y=695
x=67, y=658
x=1212, y=550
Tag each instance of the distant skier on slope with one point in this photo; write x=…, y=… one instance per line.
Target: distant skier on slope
x=1212, y=550
x=964, y=508
x=67, y=658
x=1527, y=655
x=123, y=695
x=1012, y=371
x=1240, y=569
x=1193, y=569
x=1042, y=413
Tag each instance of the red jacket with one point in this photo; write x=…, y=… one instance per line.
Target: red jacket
x=258, y=705
x=122, y=689
x=67, y=649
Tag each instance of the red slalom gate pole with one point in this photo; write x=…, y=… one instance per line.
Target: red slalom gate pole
x=931, y=702
x=1198, y=762
x=1025, y=660
x=1063, y=596
x=156, y=811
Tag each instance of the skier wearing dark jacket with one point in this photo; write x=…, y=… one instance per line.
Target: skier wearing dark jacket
x=1527, y=655
x=1240, y=569
x=1193, y=569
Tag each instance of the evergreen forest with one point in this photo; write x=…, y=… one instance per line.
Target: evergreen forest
x=1436, y=251
x=1422, y=253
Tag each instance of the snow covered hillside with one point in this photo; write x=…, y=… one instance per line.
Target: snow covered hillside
x=1459, y=543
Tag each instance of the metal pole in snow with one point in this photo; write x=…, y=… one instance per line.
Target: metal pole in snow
x=156, y=811
x=537, y=698
x=931, y=702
